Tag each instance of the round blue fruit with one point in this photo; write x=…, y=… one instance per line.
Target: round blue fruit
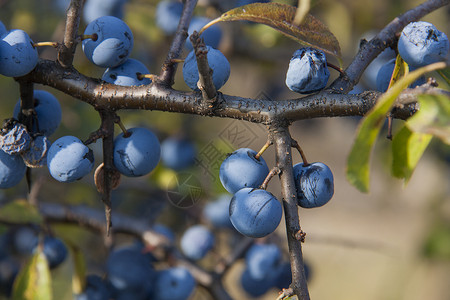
x=314, y=183
x=241, y=169
x=111, y=43
x=3, y=29
x=385, y=74
x=12, y=170
x=136, y=153
x=168, y=14
x=68, y=159
x=55, y=251
x=421, y=44
x=48, y=112
x=96, y=289
x=173, y=284
x=178, y=153
x=196, y=241
x=9, y=268
x=130, y=272
x=255, y=213
x=262, y=260
x=307, y=72
x=217, y=212
x=216, y=61
x=165, y=231
x=24, y=240
x=211, y=36
x=127, y=74
x=255, y=287
x=94, y=9
x=18, y=56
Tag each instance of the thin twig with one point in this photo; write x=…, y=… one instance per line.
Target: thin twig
x=205, y=82
x=385, y=38
x=169, y=67
x=66, y=51
x=273, y=172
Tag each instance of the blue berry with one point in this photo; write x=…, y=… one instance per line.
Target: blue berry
x=173, y=284
x=127, y=74
x=196, y=241
x=36, y=156
x=12, y=170
x=421, y=44
x=9, y=268
x=137, y=154
x=130, y=272
x=255, y=287
x=283, y=275
x=211, y=36
x=16, y=140
x=18, y=56
x=307, y=72
x=241, y=169
x=55, y=251
x=112, y=43
x=68, y=159
x=385, y=74
x=262, y=260
x=168, y=13
x=165, y=231
x=216, y=61
x=96, y=289
x=48, y=112
x=25, y=240
x=314, y=184
x=94, y=9
x=3, y=29
x=217, y=212
x=255, y=213
x=178, y=153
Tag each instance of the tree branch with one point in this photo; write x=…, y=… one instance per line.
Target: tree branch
x=169, y=67
x=385, y=38
x=283, y=146
x=66, y=51
x=94, y=219
x=102, y=95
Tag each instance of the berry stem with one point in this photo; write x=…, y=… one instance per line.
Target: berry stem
x=177, y=60
x=93, y=37
x=273, y=172
x=43, y=44
x=296, y=145
x=264, y=148
x=340, y=70
x=152, y=77
x=122, y=127
x=390, y=119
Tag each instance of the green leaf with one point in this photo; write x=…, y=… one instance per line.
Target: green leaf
x=34, y=282
x=407, y=148
x=20, y=211
x=79, y=275
x=358, y=161
x=445, y=74
x=311, y=32
x=433, y=117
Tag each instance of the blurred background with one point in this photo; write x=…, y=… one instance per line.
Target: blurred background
x=393, y=243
